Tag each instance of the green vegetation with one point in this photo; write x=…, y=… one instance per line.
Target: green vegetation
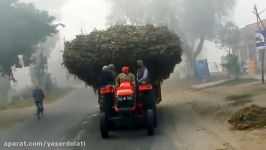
x=239, y=97
x=3, y=105
x=233, y=65
x=228, y=37
x=236, y=82
x=30, y=102
x=197, y=21
x=16, y=37
x=248, y=118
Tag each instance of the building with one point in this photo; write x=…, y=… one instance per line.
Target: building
x=247, y=50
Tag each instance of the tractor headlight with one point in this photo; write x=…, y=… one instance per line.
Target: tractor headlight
x=119, y=98
x=129, y=98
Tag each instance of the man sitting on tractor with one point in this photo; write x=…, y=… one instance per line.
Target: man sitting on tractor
x=125, y=76
x=106, y=77
x=142, y=73
x=112, y=70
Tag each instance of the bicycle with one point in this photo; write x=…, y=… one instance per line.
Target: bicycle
x=40, y=110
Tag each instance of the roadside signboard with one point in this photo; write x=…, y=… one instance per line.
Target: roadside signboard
x=261, y=40
x=203, y=72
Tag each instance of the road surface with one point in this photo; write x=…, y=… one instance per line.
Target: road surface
x=75, y=118
x=60, y=116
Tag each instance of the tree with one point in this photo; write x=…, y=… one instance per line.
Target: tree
x=199, y=22
x=232, y=65
x=39, y=66
x=195, y=21
x=22, y=27
x=228, y=37
x=139, y=12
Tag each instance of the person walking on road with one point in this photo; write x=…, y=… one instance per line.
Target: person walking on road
x=38, y=96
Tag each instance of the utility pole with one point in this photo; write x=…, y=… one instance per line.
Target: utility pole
x=262, y=52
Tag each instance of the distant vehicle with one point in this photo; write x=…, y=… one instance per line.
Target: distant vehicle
x=127, y=104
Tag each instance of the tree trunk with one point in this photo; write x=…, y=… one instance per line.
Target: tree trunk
x=197, y=53
x=191, y=68
x=200, y=46
x=192, y=56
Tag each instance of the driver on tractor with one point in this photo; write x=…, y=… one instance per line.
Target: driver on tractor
x=125, y=76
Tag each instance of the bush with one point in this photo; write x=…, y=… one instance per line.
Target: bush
x=232, y=65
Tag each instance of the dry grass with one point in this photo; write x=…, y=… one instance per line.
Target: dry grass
x=249, y=117
x=24, y=110
x=30, y=102
x=239, y=97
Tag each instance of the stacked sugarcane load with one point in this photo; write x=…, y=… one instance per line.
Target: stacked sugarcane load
x=123, y=45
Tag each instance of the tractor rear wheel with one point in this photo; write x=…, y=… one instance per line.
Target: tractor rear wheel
x=150, y=103
x=104, y=125
x=150, y=122
x=106, y=104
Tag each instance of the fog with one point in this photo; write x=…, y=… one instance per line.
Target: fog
x=83, y=16
x=200, y=64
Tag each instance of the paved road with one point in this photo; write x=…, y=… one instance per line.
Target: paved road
x=75, y=118
x=58, y=118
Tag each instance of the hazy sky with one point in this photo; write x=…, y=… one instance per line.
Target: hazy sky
x=90, y=14
x=86, y=15
x=243, y=12
x=83, y=15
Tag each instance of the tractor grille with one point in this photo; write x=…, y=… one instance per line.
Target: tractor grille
x=125, y=102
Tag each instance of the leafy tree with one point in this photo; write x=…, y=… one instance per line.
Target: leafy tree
x=229, y=37
x=22, y=27
x=232, y=65
x=195, y=21
x=199, y=21
x=139, y=12
x=39, y=66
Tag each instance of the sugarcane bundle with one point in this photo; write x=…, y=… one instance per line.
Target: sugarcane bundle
x=123, y=45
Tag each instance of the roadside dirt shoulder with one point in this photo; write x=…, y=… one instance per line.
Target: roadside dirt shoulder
x=201, y=117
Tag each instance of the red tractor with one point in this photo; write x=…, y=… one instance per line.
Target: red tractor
x=127, y=104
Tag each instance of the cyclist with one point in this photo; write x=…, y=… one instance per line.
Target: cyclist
x=38, y=96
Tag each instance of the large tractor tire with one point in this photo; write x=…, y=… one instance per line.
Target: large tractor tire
x=150, y=103
x=106, y=104
x=150, y=122
x=104, y=126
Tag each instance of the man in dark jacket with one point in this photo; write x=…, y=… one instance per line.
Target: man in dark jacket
x=112, y=70
x=105, y=100
x=106, y=77
x=38, y=96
